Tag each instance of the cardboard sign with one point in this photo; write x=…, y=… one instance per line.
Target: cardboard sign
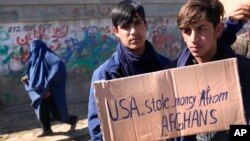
x=170, y=103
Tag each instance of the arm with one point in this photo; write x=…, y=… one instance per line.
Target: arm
x=93, y=121
x=235, y=22
x=25, y=78
x=229, y=34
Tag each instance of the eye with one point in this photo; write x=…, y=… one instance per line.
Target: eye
x=138, y=22
x=202, y=29
x=186, y=31
x=126, y=26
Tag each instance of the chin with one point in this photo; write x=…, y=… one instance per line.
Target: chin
x=196, y=54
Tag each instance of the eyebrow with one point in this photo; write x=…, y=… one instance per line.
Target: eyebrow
x=193, y=26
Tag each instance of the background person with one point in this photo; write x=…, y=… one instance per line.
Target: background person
x=45, y=83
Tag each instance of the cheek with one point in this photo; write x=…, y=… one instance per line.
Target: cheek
x=186, y=38
x=120, y=35
x=124, y=40
x=209, y=39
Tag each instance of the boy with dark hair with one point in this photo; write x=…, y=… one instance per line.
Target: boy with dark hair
x=200, y=24
x=134, y=54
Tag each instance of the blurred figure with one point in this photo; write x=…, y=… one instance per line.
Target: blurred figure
x=45, y=83
x=242, y=44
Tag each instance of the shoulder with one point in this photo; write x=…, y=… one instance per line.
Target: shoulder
x=244, y=75
x=243, y=67
x=163, y=60
x=172, y=64
x=102, y=71
x=243, y=61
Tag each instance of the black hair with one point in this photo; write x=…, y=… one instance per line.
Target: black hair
x=125, y=11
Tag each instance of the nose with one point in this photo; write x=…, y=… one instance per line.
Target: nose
x=194, y=36
x=132, y=30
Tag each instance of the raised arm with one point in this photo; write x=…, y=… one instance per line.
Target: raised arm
x=241, y=12
x=235, y=21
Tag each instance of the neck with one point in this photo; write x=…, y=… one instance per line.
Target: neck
x=139, y=52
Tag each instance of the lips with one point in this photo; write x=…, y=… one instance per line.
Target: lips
x=195, y=49
x=134, y=40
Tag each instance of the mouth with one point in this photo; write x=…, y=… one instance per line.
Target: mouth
x=135, y=39
x=195, y=48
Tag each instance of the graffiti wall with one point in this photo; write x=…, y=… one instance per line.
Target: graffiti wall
x=82, y=45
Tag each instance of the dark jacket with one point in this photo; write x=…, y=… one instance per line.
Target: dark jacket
x=111, y=69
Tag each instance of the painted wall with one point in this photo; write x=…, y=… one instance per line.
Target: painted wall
x=81, y=34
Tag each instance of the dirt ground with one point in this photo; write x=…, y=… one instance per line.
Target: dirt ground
x=19, y=123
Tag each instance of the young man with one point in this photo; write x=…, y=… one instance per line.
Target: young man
x=200, y=24
x=134, y=54
x=45, y=83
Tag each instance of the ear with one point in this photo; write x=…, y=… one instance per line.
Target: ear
x=115, y=30
x=146, y=24
x=219, y=29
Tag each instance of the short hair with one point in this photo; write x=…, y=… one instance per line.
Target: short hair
x=125, y=11
x=195, y=10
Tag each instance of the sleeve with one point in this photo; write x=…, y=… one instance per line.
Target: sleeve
x=229, y=34
x=27, y=71
x=93, y=121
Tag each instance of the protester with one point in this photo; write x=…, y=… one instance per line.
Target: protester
x=45, y=83
x=134, y=55
x=200, y=24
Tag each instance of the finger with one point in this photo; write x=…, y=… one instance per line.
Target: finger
x=240, y=15
x=244, y=7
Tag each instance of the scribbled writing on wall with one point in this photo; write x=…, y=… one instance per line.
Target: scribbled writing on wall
x=84, y=44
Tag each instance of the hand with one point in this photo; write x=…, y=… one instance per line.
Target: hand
x=24, y=79
x=241, y=12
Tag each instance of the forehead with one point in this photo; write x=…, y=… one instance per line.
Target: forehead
x=135, y=18
x=132, y=21
x=202, y=22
